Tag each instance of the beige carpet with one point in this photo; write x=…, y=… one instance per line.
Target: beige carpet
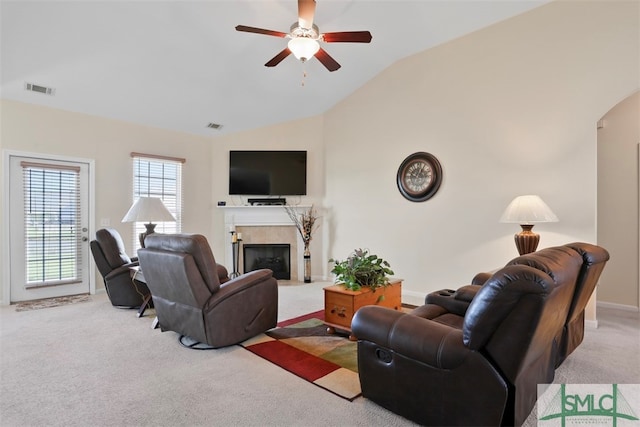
x=91, y=364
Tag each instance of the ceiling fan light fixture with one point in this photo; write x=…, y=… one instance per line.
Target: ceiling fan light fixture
x=304, y=37
x=303, y=48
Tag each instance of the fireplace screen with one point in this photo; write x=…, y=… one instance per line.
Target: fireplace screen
x=275, y=257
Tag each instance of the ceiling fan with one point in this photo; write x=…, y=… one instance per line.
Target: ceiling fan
x=305, y=36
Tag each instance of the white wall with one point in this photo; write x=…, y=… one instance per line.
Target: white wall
x=44, y=130
x=618, y=141
x=508, y=110
x=305, y=134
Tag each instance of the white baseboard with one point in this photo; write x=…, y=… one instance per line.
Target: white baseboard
x=613, y=305
x=591, y=324
x=413, y=297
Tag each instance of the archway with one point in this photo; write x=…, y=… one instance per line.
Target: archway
x=618, y=223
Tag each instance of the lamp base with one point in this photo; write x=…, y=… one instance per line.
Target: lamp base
x=526, y=240
x=150, y=230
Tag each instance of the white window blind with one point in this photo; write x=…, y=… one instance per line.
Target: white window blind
x=158, y=176
x=52, y=221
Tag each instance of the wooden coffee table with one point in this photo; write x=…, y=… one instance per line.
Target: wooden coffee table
x=341, y=304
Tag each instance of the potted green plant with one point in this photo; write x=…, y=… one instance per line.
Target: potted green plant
x=362, y=269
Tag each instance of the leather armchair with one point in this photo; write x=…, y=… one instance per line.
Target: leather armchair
x=189, y=299
x=480, y=367
x=114, y=266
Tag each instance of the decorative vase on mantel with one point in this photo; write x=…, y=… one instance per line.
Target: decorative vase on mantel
x=306, y=225
x=307, y=263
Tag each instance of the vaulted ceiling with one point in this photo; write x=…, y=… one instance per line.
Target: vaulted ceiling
x=181, y=65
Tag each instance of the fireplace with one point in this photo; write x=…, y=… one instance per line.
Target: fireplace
x=275, y=257
x=264, y=224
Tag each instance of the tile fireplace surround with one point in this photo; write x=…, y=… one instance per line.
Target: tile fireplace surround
x=264, y=224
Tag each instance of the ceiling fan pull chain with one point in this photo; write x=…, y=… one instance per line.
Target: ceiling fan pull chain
x=304, y=74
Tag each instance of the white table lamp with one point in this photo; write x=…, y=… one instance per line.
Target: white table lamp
x=527, y=211
x=148, y=209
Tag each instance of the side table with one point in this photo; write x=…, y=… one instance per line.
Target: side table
x=341, y=304
x=137, y=276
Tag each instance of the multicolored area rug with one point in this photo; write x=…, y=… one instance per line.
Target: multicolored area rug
x=51, y=302
x=303, y=347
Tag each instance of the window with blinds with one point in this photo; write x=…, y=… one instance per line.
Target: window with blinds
x=52, y=222
x=158, y=176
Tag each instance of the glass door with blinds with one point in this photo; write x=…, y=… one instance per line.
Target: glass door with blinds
x=48, y=217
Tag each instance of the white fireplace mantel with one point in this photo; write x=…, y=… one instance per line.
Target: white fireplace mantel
x=257, y=216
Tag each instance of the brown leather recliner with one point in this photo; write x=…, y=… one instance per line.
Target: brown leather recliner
x=114, y=266
x=481, y=367
x=572, y=333
x=594, y=259
x=182, y=274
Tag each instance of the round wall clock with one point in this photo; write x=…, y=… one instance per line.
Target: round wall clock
x=419, y=176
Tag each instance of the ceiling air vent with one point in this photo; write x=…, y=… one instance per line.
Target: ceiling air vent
x=41, y=89
x=215, y=126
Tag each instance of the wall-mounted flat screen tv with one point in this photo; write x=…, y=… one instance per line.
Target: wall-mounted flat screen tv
x=268, y=173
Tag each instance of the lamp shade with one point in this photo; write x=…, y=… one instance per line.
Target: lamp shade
x=148, y=209
x=528, y=209
x=303, y=48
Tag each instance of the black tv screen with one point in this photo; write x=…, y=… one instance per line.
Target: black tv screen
x=268, y=173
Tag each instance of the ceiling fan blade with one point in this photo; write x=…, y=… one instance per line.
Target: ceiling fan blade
x=347, y=36
x=327, y=60
x=278, y=58
x=306, y=11
x=260, y=31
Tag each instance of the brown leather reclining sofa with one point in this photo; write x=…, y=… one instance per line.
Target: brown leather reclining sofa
x=476, y=355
